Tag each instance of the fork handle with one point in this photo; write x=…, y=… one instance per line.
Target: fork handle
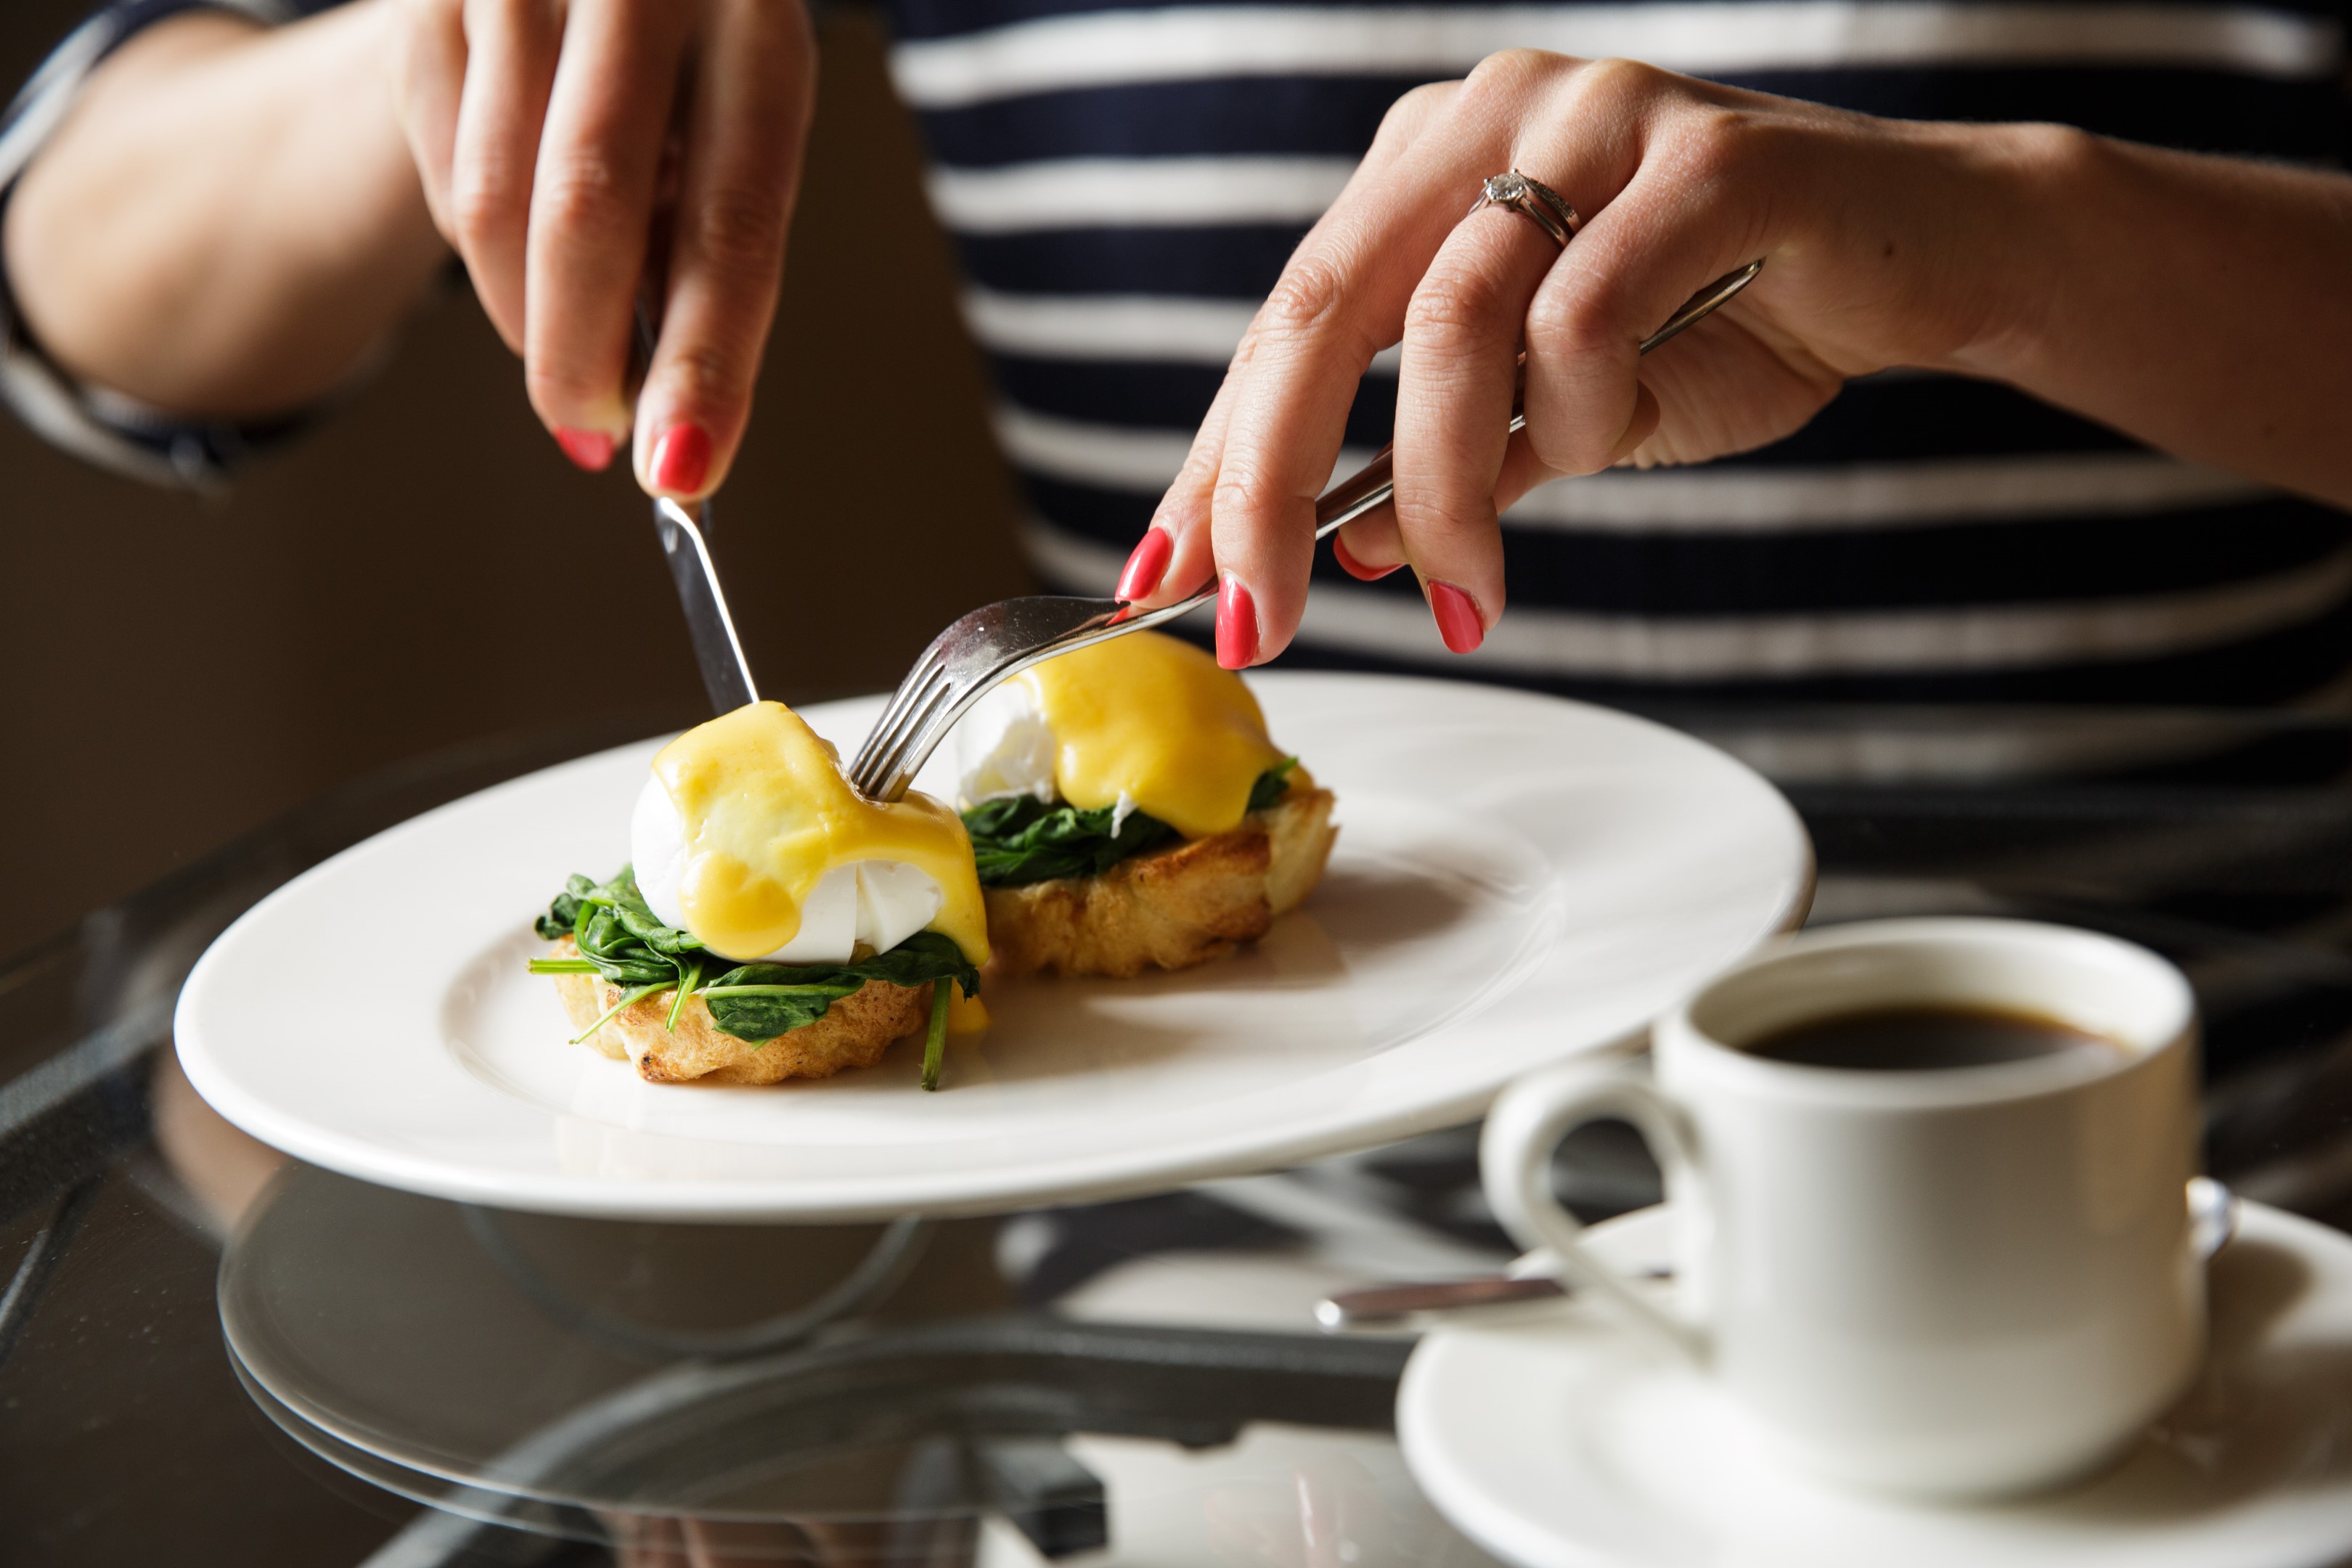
x=1375, y=482
x=1368, y=486
x=1371, y=486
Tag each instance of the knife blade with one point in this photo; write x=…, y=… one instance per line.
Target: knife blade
x=717, y=651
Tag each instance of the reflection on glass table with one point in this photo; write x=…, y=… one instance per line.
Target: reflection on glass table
x=561, y=1373
x=408, y=1381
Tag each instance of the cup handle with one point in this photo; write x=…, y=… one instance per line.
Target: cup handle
x=1525, y=1126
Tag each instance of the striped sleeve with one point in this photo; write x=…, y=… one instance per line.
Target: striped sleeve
x=93, y=423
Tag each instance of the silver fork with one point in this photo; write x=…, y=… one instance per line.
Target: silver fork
x=998, y=641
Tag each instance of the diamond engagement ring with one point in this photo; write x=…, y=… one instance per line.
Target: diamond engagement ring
x=1532, y=200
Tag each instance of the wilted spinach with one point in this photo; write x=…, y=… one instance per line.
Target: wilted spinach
x=618, y=933
x=1021, y=839
x=623, y=941
x=760, y=1001
x=1272, y=786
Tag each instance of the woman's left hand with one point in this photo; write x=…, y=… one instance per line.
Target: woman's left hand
x=1878, y=237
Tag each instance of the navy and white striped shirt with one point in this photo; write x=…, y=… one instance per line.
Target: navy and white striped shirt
x=1125, y=181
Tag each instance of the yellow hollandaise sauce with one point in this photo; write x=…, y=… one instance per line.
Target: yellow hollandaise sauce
x=766, y=814
x=966, y=1014
x=1157, y=718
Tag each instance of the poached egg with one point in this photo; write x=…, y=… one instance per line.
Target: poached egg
x=748, y=835
x=1141, y=722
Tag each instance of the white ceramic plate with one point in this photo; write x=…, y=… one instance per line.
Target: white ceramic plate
x=1517, y=878
x=1556, y=1440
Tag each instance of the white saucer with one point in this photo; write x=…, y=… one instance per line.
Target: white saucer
x=1517, y=878
x=1562, y=1442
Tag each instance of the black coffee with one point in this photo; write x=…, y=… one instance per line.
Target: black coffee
x=1920, y=1039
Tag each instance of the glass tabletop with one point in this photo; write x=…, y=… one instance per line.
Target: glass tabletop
x=210, y=1352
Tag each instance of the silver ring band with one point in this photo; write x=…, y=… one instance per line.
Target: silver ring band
x=1534, y=201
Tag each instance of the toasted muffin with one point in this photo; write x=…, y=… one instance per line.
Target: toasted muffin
x=1169, y=909
x=854, y=1033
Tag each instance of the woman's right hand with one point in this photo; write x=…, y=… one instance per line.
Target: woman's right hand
x=573, y=153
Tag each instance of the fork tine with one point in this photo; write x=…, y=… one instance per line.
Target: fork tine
x=918, y=701
x=888, y=748
x=933, y=658
x=938, y=716
x=928, y=661
x=893, y=709
x=975, y=652
x=873, y=781
x=898, y=714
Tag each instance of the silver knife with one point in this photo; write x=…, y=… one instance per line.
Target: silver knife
x=686, y=545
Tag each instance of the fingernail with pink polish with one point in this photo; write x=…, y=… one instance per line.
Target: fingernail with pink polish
x=591, y=449
x=1458, y=621
x=1236, y=624
x=1355, y=568
x=681, y=459
x=1146, y=565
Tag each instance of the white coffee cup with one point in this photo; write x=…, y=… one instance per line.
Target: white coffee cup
x=1950, y=1282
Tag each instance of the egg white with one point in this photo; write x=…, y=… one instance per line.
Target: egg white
x=1004, y=748
x=878, y=902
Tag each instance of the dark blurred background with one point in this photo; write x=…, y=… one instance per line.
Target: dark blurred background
x=424, y=570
